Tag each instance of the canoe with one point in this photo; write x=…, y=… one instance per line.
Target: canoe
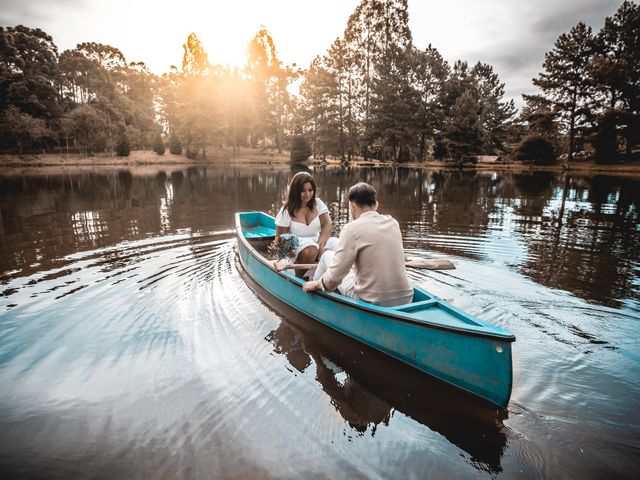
x=428, y=334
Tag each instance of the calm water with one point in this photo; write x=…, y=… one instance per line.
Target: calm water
x=133, y=345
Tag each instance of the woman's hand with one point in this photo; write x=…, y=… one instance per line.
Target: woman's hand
x=321, y=251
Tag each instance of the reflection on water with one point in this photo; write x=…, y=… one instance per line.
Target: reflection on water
x=578, y=234
x=132, y=346
x=367, y=388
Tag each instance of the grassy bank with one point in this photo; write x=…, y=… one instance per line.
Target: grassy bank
x=215, y=156
x=224, y=157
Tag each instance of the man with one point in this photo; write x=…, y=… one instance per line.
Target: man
x=372, y=245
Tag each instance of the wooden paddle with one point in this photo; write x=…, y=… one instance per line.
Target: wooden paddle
x=431, y=264
x=426, y=263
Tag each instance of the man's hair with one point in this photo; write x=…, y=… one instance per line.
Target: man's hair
x=363, y=194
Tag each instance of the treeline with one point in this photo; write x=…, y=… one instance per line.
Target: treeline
x=372, y=95
x=591, y=90
x=376, y=95
x=87, y=99
x=90, y=99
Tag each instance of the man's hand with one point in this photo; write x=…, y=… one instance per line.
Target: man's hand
x=311, y=286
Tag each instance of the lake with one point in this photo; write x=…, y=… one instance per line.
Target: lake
x=132, y=344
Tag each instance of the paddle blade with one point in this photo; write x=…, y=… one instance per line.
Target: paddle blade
x=431, y=264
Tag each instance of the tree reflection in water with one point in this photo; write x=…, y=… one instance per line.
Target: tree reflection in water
x=568, y=232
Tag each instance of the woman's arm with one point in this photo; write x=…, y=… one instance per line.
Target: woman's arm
x=325, y=232
x=283, y=222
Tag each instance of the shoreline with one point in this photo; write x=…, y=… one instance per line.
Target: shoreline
x=223, y=157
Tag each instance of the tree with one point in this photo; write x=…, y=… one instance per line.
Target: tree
x=138, y=101
x=105, y=56
x=372, y=30
x=394, y=104
x=495, y=114
x=606, y=139
x=158, y=144
x=430, y=72
x=338, y=62
x=175, y=146
x=122, y=147
x=540, y=117
x=323, y=107
x=462, y=129
x=24, y=129
x=28, y=72
x=269, y=79
x=615, y=72
x=535, y=149
x=87, y=125
x=616, y=62
x=565, y=79
x=77, y=78
x=198, y=116
x=300, y=149
x=195, y=60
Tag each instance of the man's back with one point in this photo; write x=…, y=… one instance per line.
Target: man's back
x=373, y=245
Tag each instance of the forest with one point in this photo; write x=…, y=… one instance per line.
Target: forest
x=373, y=95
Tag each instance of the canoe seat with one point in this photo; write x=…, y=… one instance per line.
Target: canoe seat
x=412, y=307
x=259, y=231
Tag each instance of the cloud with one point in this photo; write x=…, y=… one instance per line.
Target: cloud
x=31, y=12
x=513, y=37
x=562, y=16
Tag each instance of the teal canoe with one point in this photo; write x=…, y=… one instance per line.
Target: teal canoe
x=429, y=334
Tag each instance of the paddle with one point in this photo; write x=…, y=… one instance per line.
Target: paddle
x=426, y=263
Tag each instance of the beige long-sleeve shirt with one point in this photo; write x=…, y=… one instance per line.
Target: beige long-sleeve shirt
x=372, y=245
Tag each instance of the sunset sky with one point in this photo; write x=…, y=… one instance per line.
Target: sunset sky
x=511, y=36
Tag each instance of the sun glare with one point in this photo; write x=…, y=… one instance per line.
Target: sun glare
x=155, y=34
x=227, y=32
x=225, y=29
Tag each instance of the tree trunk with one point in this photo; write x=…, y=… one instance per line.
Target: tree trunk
x=572, y=125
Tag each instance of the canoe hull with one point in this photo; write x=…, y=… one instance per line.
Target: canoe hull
x=480, y=364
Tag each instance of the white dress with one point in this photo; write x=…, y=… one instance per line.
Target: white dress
x=307, y=234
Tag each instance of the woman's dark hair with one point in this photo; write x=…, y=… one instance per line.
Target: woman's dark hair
x=363, y=194
x=293, y=202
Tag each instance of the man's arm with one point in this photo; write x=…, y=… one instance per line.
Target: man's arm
x=343, y=260
x=313, y=286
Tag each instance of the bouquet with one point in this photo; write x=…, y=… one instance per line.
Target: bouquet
x=283, y=245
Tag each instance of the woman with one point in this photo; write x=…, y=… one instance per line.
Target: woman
x=308, y=218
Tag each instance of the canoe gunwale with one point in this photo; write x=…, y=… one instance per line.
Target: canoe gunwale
x=389, y=312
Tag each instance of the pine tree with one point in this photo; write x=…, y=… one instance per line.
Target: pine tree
x=320, y=95
x=175, y=145
x=463, y=128
x=430, y=72
x=122, y=146
x=615, y=70
x=394, y=105
x=495, y=114
x=375, y=27
x=198, y=115
x=565, y=79
x=271, y=102
x=300, y=149
x=158, y=144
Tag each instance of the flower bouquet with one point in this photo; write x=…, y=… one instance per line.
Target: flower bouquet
x=282, y=246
